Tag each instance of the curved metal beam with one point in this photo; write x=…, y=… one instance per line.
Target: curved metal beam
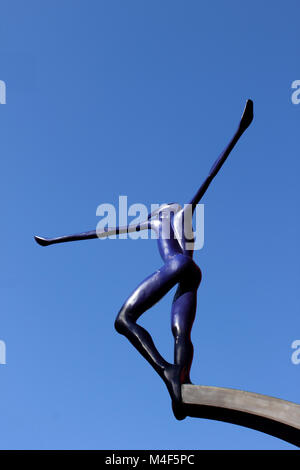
x=263, y=413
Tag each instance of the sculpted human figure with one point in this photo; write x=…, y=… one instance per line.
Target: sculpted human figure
x=173, y=226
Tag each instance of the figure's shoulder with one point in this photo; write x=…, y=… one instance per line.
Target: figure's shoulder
x=165, y=209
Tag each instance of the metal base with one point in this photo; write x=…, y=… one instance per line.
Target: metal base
x=270, y=415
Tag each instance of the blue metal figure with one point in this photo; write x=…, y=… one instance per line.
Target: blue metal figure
x=173, y=226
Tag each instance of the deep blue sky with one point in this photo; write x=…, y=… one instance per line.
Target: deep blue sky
x=137, y=98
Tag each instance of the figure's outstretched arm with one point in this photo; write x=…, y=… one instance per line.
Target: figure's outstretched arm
x=92, y=234
x=245, y=122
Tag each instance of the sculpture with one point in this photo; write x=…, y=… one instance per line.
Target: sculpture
x=170, y=222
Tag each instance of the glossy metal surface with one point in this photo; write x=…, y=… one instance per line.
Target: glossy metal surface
x=179, y=269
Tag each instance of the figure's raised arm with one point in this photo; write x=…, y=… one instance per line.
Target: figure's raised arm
x=245, y=122
x=106, y=232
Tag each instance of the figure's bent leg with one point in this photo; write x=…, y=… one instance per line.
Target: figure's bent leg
x=150, y=291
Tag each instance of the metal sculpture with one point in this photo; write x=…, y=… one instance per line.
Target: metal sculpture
x=173, y=226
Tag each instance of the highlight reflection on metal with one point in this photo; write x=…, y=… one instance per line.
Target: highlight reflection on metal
x=179, y=269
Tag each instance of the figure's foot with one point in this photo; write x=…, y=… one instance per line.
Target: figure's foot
x=172, y=376
x=178, y=410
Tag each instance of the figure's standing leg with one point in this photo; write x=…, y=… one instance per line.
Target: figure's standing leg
x=182, y=319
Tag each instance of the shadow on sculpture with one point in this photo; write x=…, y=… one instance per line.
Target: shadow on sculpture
x=173, y=226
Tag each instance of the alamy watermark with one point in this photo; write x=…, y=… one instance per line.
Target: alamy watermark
x=295, y=358
x=180, y=218
x=2, y=92
x=296, y=94
x=2, y=352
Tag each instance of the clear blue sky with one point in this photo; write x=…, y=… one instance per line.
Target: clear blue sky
x=137, y=98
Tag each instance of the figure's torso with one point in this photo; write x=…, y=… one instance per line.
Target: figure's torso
x=174, y=230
